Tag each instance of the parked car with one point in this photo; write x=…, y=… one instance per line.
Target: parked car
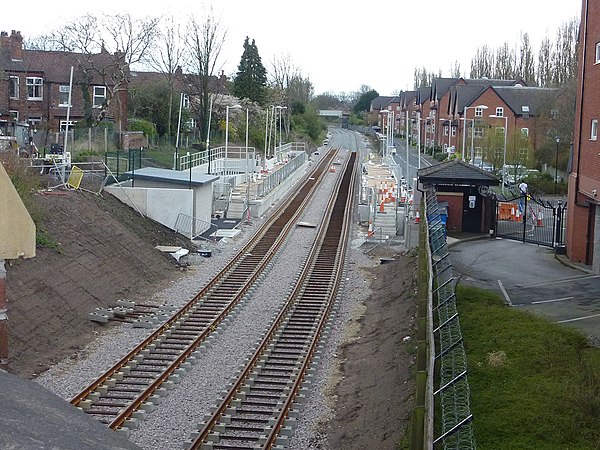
x=488, y=167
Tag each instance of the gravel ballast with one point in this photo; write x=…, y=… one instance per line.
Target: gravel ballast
x=202, y=387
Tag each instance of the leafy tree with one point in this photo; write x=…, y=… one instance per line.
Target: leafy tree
x=306, y=121
x=147, y=127
x=251, y=77
x=364, y=101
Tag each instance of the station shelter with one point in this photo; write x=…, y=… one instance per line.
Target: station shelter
x=465, y=189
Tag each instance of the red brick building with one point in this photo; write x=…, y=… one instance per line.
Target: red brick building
x=35, y=89
x=584, y=179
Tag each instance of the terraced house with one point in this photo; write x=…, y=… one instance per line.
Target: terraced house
x=35, y=87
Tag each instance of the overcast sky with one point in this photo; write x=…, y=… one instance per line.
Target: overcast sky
x=340, y=46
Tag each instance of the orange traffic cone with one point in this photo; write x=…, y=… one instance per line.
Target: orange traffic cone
x=381, y=207
x=540, y=219
x=370, y=233
x=332, y=169
x=417, y=217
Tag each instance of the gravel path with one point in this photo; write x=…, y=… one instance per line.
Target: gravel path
x=202, y=387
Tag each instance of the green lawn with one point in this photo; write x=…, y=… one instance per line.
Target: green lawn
x=534, y=384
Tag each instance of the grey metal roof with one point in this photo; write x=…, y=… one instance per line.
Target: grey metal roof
x=181, y=177
x=456, y=172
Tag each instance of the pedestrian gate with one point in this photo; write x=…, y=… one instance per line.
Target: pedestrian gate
x=526, y=218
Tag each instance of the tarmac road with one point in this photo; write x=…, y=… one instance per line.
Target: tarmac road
x=529, y=276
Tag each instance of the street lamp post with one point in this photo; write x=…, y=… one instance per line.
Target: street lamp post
x=505, y=138
x=557, y=138
x=407, y=155
x=280, y=108
x=227, y=108
x=419, y=136
x=472, y=131
x=208, y=134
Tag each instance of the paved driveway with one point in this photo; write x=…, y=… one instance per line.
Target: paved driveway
x=530, y=277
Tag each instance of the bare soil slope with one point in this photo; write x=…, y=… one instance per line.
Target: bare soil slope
x=105, y=253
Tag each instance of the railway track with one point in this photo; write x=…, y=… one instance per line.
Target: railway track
x=257, y=411
x=134, y=384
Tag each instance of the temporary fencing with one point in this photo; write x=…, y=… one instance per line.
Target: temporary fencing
x=449, y=391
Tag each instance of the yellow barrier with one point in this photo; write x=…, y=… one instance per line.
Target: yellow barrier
x=75, y=178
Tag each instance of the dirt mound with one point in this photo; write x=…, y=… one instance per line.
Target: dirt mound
x=100, y=251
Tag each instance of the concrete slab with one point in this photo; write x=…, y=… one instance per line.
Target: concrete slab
x=32, y=418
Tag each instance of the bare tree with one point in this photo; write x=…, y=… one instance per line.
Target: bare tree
x=544, y=69
x=289, y=84
x=504, y=67
x=482, y=65
x=455, y=70
x=525, y=63
x=204, y=42
x=167, y=58
x=105, y=48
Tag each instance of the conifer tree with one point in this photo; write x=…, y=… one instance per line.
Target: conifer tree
x=251, y=77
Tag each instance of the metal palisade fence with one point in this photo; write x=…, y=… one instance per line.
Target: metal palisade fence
x=448, y=365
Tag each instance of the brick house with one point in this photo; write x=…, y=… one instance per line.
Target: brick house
x=583, y=214
x=35, y=90
x=524, y=111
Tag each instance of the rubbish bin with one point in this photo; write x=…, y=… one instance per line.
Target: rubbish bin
x=443, y=209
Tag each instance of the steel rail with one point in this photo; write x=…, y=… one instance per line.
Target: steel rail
x=273, y=230
x=331, y=246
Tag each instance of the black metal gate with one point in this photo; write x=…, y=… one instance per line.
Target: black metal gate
x=529, y=219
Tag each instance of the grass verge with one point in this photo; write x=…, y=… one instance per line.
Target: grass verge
x=534, y=384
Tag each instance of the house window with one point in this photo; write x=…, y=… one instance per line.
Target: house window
x=63, y=95
x=594, y=134
x=478, y=112
x=445, y=131
x=525, y=132
x=63, y=124
x=478, y=133
x=453, y=131
x=433, y=128
x=35, y=88
x=185, y=101
x=500, y=111
x=478, y=152
x=597, y=52
x=14, y=115
x=99, y=96
x=13, y=87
